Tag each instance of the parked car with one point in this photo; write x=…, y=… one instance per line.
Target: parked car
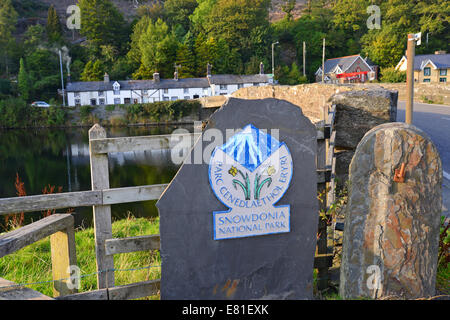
x=41, y=104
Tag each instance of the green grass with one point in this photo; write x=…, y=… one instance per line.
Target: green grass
x=33, y=263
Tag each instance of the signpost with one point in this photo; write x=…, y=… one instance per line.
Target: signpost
x=242, y=223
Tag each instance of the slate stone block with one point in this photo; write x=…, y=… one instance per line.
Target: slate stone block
x=273, y=266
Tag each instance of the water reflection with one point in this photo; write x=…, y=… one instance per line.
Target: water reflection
x=60, y=157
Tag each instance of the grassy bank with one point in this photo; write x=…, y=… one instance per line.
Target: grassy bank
x=33, y=263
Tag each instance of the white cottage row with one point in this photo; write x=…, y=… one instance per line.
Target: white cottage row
x=109, y=92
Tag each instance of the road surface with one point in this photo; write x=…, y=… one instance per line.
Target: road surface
x=434, y=120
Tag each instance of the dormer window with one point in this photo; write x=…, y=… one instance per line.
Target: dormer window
x=116, y=88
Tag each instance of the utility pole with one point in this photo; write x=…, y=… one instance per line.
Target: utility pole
x=304, y=58
x=62, y=79
x=273, y=58
x=323, y=62
x=410, y=54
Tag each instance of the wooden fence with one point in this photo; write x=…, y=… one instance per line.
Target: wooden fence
x=61, y=230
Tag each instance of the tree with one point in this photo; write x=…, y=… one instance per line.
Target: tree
x=385, y=47
x=158, y=48
x=102, y=24
x=23, y=82
x=54, y=30
x=179, y=11
x=234, y=21
x=93, y=71
x=8, y=19
x=186, y=58
x=34, y=37
x=287, y=8
x=201, y=13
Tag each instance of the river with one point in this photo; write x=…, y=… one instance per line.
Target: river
x=60, y=158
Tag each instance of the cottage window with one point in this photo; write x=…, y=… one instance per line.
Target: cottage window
x=77, y=94
x=442, y=79
x=443, y=72
x=101, y=93
x=427, y=71
x=174, y=98
x=127, y=101
x=187, y=97
x=223, y=87
x=93, y=102
x=101, y=101
x=165, y=91
x=116, y=100
x=426, y=80
x=240, y=85
x=165, y=98
x=255, y=84
x=78, y=102
x=186, y=90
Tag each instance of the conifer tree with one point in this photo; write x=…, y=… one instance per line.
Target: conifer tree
x=54, y=30
x=23, y=81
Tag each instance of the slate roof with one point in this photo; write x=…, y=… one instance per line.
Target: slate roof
x=441, y=61
x=138, y=84
x=238, y=79
x=343, y=62
x=166, y=83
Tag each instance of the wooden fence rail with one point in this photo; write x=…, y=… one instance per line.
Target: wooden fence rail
x=101, y=197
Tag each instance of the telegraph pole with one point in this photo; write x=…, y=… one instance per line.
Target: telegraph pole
x=410, y=53
x=62, y=79
x=323, y=62
x=304, y=58
x=273, y=58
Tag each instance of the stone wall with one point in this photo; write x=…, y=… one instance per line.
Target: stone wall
x=423, y=92
x=359, y=109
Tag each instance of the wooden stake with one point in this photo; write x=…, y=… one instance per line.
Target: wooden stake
x=410, y=53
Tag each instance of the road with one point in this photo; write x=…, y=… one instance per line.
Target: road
x=435, y=121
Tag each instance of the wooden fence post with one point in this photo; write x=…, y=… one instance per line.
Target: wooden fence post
x=322, y=277
x=102, y=213
x=63, y=251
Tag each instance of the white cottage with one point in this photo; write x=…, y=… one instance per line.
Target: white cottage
x=109, y=92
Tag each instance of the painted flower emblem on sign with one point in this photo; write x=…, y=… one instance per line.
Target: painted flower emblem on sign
x=271, y=170
x=233, y=171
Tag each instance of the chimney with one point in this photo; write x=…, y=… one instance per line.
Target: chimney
x=261, y=68
x=440, y=52
x=156, y=77
x=208, y=70
x=175, y=75
x=106, y=78
x=69, y=78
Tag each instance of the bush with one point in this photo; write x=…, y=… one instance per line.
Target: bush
x=56, y=116
x=85, y=111
x=162, y=111
x=14, y=112
x=392, y=75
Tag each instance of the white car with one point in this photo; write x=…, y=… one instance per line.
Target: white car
x=41, y=104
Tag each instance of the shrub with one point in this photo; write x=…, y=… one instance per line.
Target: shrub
x=56, y=116
x=392, y=75
x=85, y=111
x=162, y=110
x=14, y=112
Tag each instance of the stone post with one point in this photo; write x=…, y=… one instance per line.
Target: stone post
x=392, y=217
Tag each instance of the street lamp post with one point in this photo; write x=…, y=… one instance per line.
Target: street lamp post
x=273, y=58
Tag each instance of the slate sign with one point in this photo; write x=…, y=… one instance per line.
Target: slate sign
x=243, y=223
